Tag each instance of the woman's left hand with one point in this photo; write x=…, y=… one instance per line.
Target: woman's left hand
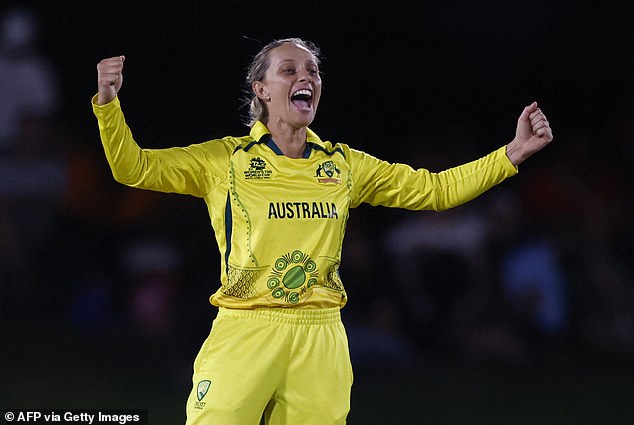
x=532, y=134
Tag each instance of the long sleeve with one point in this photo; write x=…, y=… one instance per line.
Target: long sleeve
x=397, y=185
x=193, y=170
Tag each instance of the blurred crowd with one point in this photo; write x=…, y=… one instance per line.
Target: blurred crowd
x=542, y=262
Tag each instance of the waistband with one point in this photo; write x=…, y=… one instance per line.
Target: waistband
x=291, y=316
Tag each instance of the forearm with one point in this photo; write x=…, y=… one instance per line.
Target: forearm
x=461, y=184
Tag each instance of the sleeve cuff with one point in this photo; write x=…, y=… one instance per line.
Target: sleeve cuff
x=506, y=162
x=100, y=110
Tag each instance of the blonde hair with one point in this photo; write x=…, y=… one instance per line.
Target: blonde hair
x=256, y=71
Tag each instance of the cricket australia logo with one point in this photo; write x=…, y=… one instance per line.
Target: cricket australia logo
x=257, y=170
x=332, y=173
x=291, y=276
x=201, y=392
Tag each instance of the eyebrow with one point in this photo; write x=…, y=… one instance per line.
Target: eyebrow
x=283, y=61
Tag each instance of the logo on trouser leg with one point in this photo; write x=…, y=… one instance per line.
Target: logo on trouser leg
x=201, y=392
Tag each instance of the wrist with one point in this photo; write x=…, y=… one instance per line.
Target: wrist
x=104, y=97
x=515, y=153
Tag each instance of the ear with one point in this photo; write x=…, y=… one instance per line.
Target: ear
x=259, y=88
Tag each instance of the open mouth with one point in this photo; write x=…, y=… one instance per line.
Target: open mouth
x=302, y=99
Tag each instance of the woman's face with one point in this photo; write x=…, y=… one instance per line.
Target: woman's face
x=293, y=84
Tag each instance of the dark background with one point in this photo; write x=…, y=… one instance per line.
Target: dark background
x=431, y=84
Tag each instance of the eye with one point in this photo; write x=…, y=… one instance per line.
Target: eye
x=289, y=70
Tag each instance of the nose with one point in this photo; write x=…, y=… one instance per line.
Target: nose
x=305, y=76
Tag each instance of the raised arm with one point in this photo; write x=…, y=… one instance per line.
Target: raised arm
x=398, y=185
x=193, y=169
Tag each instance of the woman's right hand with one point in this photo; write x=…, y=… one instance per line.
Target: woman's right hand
x=109, y=79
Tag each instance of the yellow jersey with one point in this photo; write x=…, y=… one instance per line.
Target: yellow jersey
x=279, y=222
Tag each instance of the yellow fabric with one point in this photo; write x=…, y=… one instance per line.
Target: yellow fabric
x=291, y=364
x=279, y=222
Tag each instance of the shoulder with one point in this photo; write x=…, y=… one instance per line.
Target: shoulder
x=327, y=147
x=222, y=147
x=229, y=142
x=331, y=149
x=351, y=155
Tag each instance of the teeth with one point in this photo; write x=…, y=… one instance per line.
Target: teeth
x=304, y=92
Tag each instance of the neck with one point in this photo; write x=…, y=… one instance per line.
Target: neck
x=291, y=141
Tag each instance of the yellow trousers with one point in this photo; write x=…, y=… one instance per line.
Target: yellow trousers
x=288, y=366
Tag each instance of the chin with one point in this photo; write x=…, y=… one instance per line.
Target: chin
x=307, y=119
x=298, y=119
x=303, y=121
x=308, y=122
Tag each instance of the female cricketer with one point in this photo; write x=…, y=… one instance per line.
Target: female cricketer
x=278, y=199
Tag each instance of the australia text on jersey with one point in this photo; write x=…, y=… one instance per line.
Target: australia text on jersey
x=293, y=210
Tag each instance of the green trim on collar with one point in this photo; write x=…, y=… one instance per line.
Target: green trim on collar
x=259, y=129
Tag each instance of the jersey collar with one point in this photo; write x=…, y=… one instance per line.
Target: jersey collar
x=259, y=131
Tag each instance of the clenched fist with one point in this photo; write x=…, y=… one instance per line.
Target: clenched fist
x=109, y=79
x=532, y=134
